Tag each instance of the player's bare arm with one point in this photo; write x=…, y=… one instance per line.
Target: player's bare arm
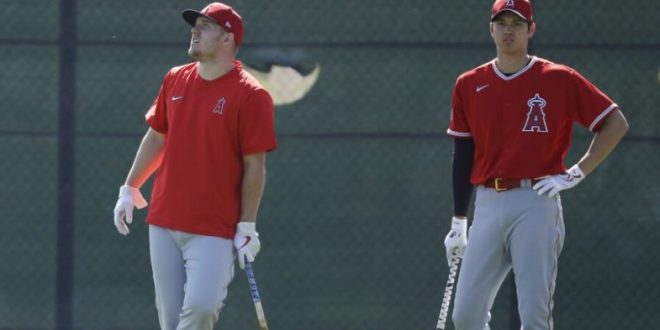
x=246, y=240
x=604, y=141
x=148, y=158
x=254, y=179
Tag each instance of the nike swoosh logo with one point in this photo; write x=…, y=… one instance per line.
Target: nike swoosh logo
x=573, y=177
x=480, y=88
x=176, y=98
x=247, y=240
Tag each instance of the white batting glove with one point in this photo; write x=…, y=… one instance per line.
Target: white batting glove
x=129, y=197
x=246, y=242
x=456, y=240
x=553, y=184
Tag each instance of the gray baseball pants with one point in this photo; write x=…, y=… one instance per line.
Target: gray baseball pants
x=191, y=274
x=515, y=229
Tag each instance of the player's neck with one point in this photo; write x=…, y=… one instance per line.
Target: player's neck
x=213, y=69
x=512, y=63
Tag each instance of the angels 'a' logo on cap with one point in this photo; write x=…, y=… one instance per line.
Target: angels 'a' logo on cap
x=509, y=3
x=228, y=25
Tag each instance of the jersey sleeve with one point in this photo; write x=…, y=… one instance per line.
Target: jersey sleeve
x=458, y=126
x=257, y=124
x=592, y=104
x=156, y=116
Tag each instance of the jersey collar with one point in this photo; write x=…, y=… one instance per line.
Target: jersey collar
x=520, y=72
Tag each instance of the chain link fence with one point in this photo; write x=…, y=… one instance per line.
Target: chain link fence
x=358, y=197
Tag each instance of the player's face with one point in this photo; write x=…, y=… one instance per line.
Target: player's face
x=206, y=38
x=511, y=33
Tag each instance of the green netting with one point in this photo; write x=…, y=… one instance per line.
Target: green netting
x=358, y=197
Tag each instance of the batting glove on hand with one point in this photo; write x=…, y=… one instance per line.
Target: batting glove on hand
x=555, y=183
x=129, y=197
x=456, y=240
x=246, y=242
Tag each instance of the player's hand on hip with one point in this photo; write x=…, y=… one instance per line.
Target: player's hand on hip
x=129, y=197
x=456, y=239
x=553, y=184
x=246, y=242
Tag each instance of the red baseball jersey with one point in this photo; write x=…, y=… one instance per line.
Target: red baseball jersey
x=522, y=123
x=209, y=126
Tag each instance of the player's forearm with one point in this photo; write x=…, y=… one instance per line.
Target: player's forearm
x=252, y=186
x=461, y=169
x=147, y=159
x=604, y=141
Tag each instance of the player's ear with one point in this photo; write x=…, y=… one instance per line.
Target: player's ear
x=228, y=37
x=532, y=30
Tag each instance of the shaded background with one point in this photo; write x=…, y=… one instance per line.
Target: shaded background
x=358, y=198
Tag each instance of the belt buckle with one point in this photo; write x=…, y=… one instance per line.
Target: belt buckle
x=497, y=185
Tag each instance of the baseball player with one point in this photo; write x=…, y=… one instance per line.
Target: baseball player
x=210, y=128
x=511, y=121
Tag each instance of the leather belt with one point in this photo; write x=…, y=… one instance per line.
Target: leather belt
x=502, y=184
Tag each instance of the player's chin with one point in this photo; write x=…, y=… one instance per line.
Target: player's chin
x=194, y=53
x=510, y=49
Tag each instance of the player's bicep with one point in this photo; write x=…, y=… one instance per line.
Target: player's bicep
x=257, y=159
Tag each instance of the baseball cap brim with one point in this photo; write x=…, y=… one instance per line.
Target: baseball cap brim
x=190, y=16
x=511, y=10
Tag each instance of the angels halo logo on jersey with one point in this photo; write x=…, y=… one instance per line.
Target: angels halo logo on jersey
x=536, y=116
x=220, y=107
